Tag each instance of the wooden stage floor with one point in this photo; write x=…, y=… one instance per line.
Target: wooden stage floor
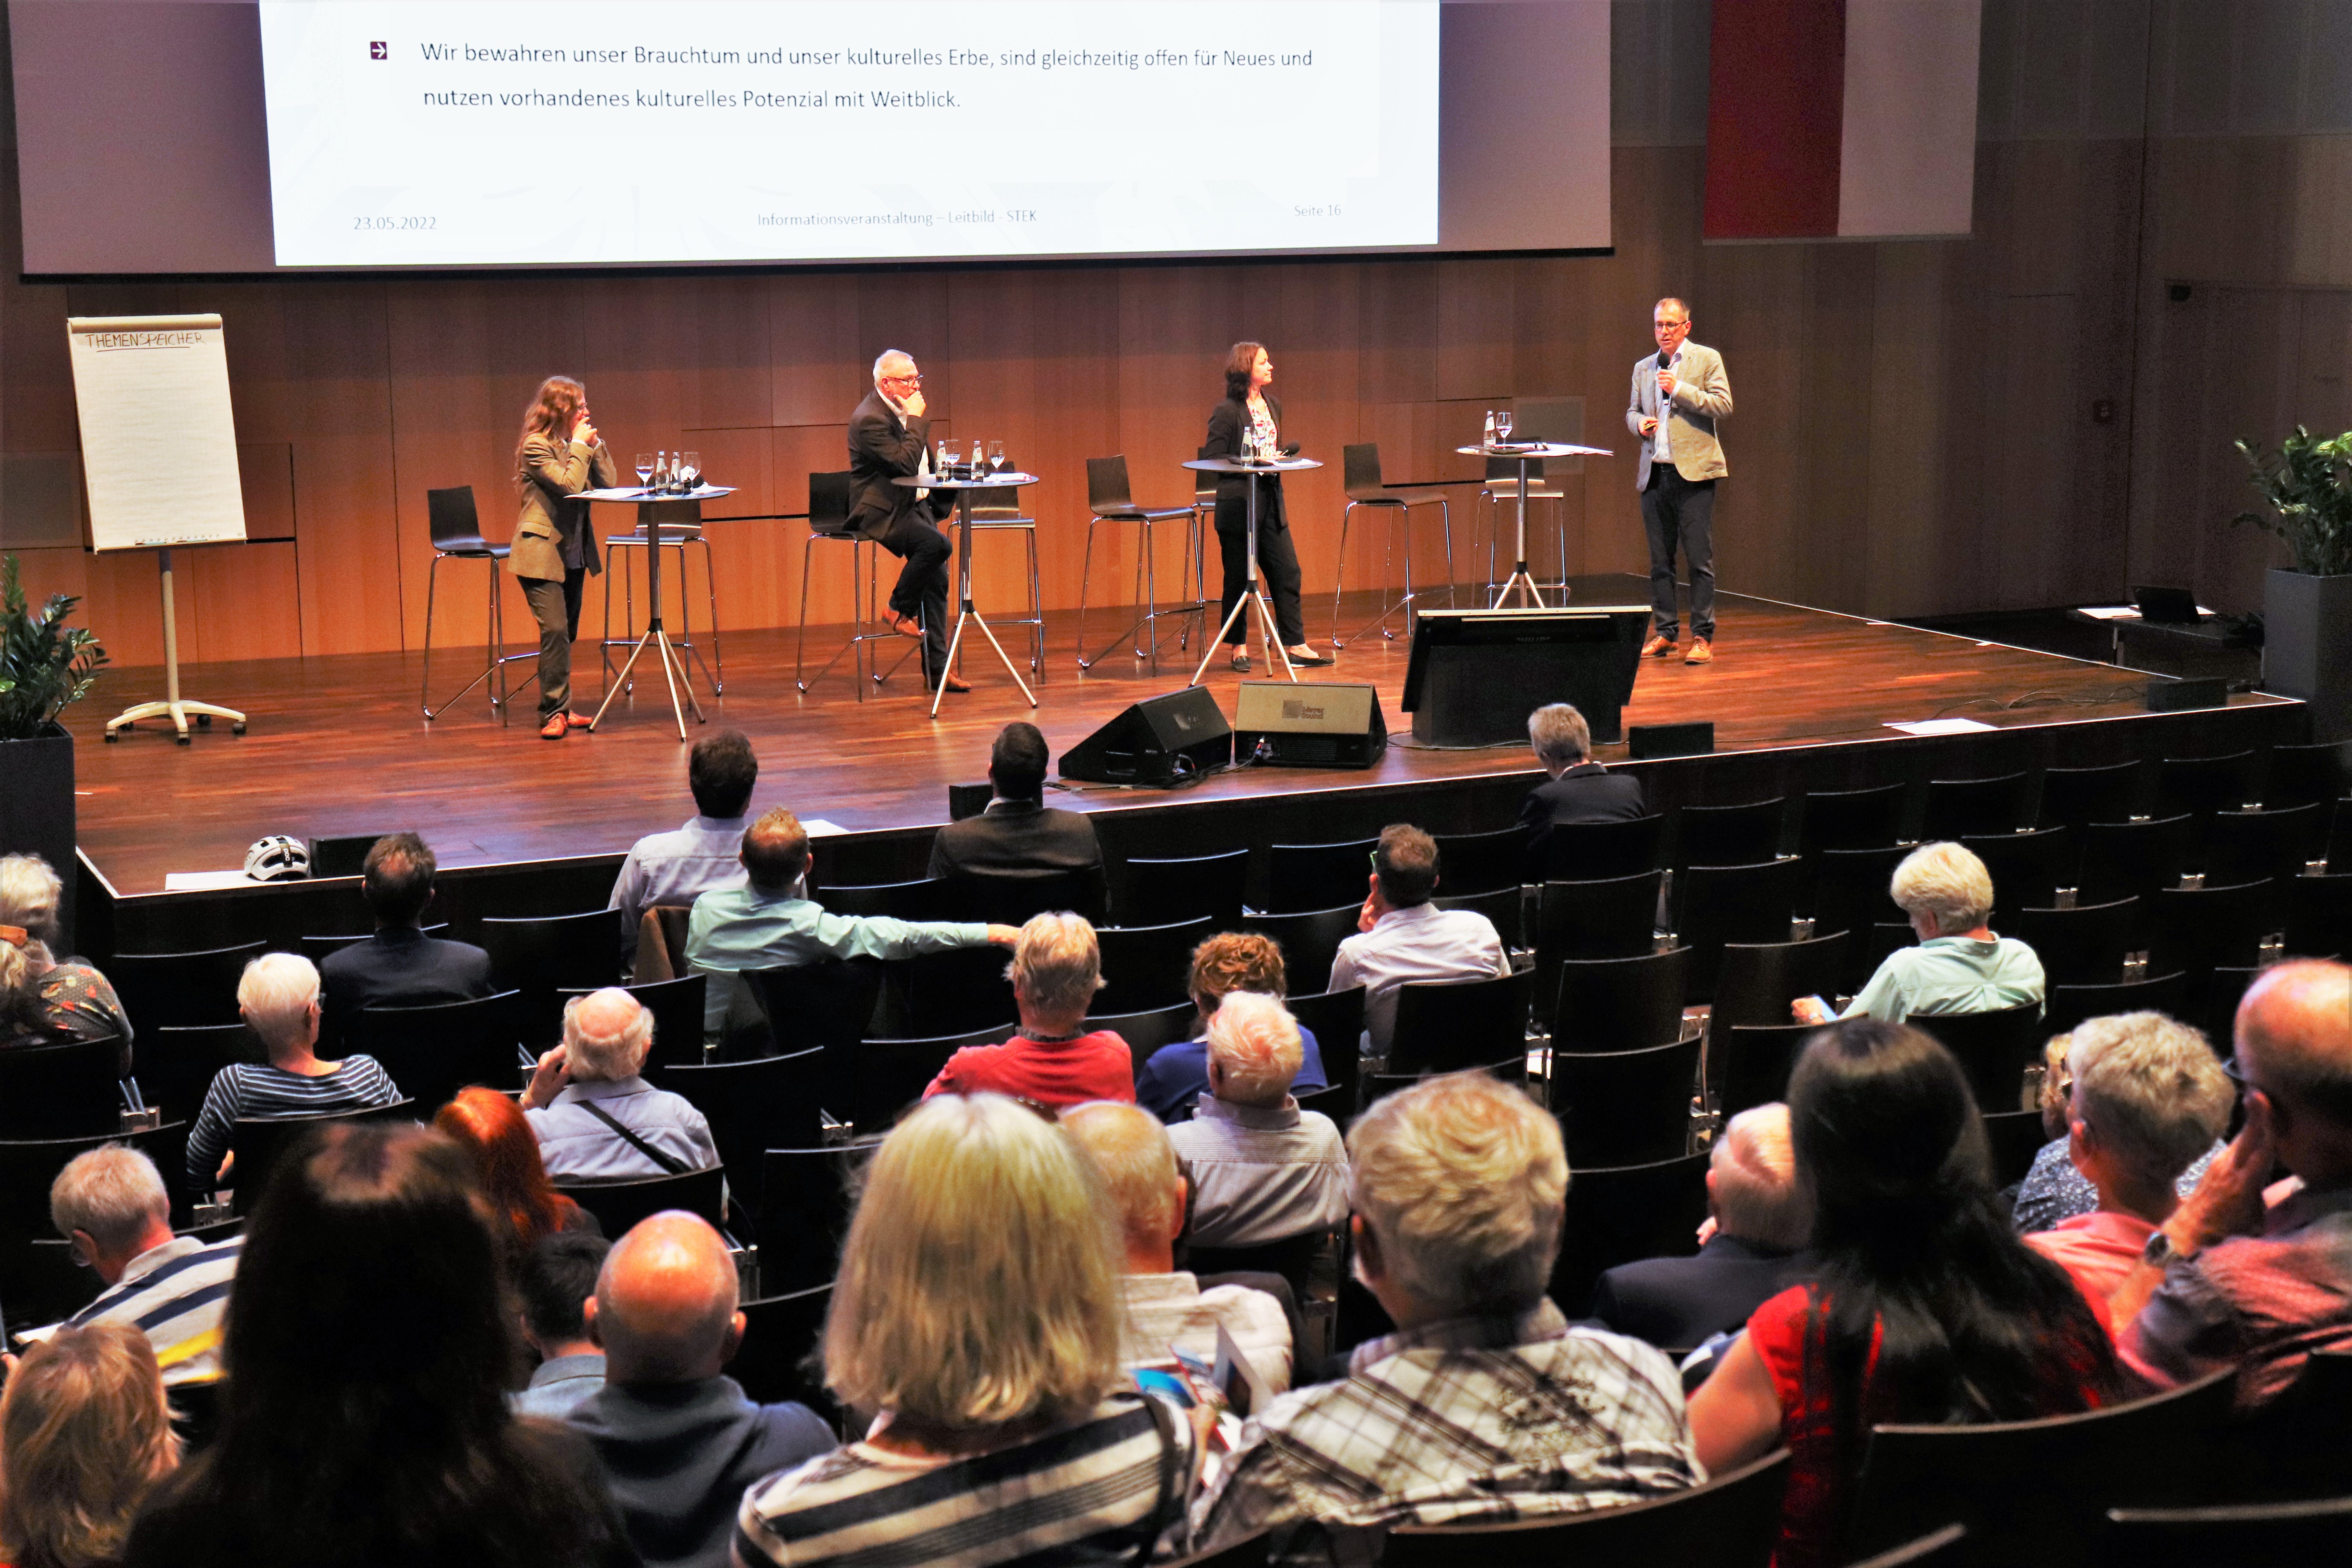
x=337, y=745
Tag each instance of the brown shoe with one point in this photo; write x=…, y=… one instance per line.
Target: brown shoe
x=1659, y=646
x=905, y=625
x=578, y=721
x=954, y=684
x=558, y=725
x=1701, y=652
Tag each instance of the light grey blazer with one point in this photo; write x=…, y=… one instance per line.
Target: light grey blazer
x=1702, y=396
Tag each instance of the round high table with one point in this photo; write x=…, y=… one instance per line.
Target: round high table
x=1521, y=581
x=654, y=508
x=1256, y=594
x=965, y=614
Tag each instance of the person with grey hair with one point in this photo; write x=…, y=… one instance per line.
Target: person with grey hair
x=2148, y=1097
x=1261, y=1169
x=596, y=1117
x=278, y=997
x=1054, y=1060
x=109, y=1203
x=45, y=999
x=890, y=439
x=1575, y=787
x=1485, y=1404
x=677, y=1440
x=1959, y=964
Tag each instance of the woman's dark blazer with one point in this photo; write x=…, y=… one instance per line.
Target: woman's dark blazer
x=1227, y=423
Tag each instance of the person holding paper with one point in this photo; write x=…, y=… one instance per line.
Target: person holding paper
x=1251, y=420
x=560, y=454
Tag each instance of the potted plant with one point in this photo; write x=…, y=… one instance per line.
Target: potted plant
x=45, y=667
x=2307, y=607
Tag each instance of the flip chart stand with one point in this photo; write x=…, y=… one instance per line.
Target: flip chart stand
x=173, y=704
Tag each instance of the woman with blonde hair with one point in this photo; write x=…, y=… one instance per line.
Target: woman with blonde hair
x=84, y=1432
x=1959, y=964
x=45, y=999
x=978, y=1311
x=558, y=456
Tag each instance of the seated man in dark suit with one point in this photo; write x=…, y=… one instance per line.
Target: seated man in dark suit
x=1761, y=1222
x=1019, y=832
x=1579, y=789
x=399, y=966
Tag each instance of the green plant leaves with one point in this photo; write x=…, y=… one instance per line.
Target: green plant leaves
x=44, y=664
x=2308, y=484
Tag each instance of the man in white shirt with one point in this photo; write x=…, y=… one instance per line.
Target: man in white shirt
x=673, y=869
x=109, y=1203
x=1402, y=937
x=1166, y=1306
x=1261, y=1170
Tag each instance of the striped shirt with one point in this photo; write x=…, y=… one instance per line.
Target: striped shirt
x=176, y=1294
x=244, y=1090
x=1099, y=1489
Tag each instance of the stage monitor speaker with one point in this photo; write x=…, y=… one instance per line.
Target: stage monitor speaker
x=2165, y=696
x=1476, y=675
x=343, y=855
x=1645, y=740
x=1163, y=740
x=1309, y=724
x=969, y=799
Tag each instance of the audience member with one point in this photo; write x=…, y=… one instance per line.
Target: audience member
x=1402, y=937
x=1959, y=965
x=1928, y=1309
x=1177, y=1076
x=495, y=1134
x=365, y=1425
x=84, y=1434
x=1483, y=1403
x=677, y=1440
x=597, y=1120
x=278, y=996
x=1165, y=1305
x=1761, y=1219
x=770, y=922
x=1261, y=1170
x=109, y=1203
x=1575, y=788
x=557, y=1278
x=44, y=998
x=399, y=966
x=2147, y=1100
x=1019, y=833
x=1054, y=1060
x=2234, y=1278
x=677, y=867
x=977, y=1308
x=2053, y=1191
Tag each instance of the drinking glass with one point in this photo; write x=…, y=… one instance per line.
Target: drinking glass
x=645, y=468
x=996, y=456
x=1502, y=423
x=950, y=453
x=690, y=473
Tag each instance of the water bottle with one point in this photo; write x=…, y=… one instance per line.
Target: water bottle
x=661, y=471
x=1488, y=441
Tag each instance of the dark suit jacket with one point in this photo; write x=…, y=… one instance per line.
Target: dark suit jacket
x=1227, y=422
x=402, y=968
x=1586, y=793
x=883, y=446
x=1017, y=835
x=1676, y=1303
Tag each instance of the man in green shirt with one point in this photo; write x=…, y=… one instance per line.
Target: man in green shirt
x=1959, y=965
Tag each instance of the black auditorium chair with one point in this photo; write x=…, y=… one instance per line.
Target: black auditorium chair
x=1148, y=967
x=808, y=1005
x=2076, y=797
x=1012, y=898
x=1965, y=808
x=1622, y=1214
x=1852, y=818
x=922, y=899
x=1482, y=862
x=2027, y=868
x=618, y=1205
x=1182, y=889
x=1337, y=1019
x=1616, y=918
x=259, y=1143
x=1718, y=904
x=2194, y=929
x=1760, y=979
x=432, y=1052
x=2084, y=946
x=772, y=1362
x=2305, y=775
x=2068, y=1006
x=1754, y=1061
x=180, y=990
x=676, y=1008
x=1309, y=939
x=61, y=1091
x=176, y=1066
x=540, y=956
x=1994, y=1049
x=1624, y=1108
x=28, y=1167
x=2203, y=785
x=1503, y=907
x=2015, y=1138
x=752, y=1106
x=1149, y=1031
x=1448, y=1027
x=1597, y=851
x=2319, y=915
x=1728, y=835
x=2251, y=1534
x=2249, y=846
x=1620, y=1003
x=868, y=1085
x=1937, y=1548
x=956, y=992
x=804, y=1214
x=1302, y=876
x=2127, y=859
x=1731, y=1520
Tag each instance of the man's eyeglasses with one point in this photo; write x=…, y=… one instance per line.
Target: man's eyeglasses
x=908, y=380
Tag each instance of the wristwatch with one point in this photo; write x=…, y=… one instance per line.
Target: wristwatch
x=2159, y=1251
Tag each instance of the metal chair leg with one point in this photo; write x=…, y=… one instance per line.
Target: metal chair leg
x=425, y=692
x=800, y=650
x=1339, y=572
x=1446, y=518
x=711, y=587
x=1085, y=571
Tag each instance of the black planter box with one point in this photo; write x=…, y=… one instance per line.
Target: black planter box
x=36, y=809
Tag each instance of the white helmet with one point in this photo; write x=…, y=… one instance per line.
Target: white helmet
x=278, y=858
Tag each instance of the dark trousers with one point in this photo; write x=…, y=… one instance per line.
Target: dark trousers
x=1277, y=558
x=1676, y=507
x=556, y=607
x=922, y=587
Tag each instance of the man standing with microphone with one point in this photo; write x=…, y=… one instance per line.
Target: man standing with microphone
x=1679, y=393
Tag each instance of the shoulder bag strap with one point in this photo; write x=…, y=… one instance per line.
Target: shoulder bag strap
x=670, y=1163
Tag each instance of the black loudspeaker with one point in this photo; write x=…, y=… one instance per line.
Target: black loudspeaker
x=341, y=856
x=1476, y=675
x=1644, y=741
x=1309, y=724
x=1159, y=740
x=2173, y=696
x=968, y=800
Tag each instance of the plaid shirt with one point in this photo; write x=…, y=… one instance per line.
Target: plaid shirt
x=1479, y=1420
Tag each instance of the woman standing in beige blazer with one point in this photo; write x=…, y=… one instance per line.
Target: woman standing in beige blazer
x=560, y=456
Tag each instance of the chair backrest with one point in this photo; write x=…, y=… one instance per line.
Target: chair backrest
x=1359, y=464
x=1729, y=834
x=1182, y=889
x=1624, y=1108
x=813, y=1005
x=2299, y=1443
x=176, y=1065
x=1617, y=1214
x=1146, y=967
x=1755, y=1061
x=2246, y=846
x=1482, y=862
x=1002, y=898
x=772, y=1362
x=804, y=1214
x=1620, y=1004
x=541, y=956
x=262, y=1143
x=180, y=990
x=1942, y=1548
x=2301, y=775
x=2123, y=859
x=1853, y=818
x=619, y=1206
x=1336, y=1018
x=1957, y=809
x=1616, y=917
x=2026, y=868
x=1849, y=887
x=996, y=503
x=60, y=1090
x=2080, y=946
x=2266, y=1532
x=1309, y=939
x=1292, y=1256
x=1994, y=1049
x=28, y=1167
x=828, y=502
x=751, y=1106
x=1149, y=1031
x=450, y=515
x=2076, y=797
x=1447, y=1026
x=1205, y=485
x=1996, y=1478
x=1760, y=979
x=1107, y=485
x=676, y=1008
x=2319, y=914
x=2068, y=1006
x=958, y=992
x=2194, y=929
x=1719, y=904
x=1301, y=877
x=2016, y=1137
x=432, y=1052
x=1729, y=1521
x=868, y=1084
x=2202, y=785
x=922, y=899
x=1596, y=851
x=1502, y=907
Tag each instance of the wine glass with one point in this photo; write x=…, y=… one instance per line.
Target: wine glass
x=950, y=453
x=645, y=468
x=997, y=457
x=689, y=473
x=1502, y=423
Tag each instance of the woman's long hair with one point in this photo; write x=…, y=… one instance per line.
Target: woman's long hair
x=495, y=1135
x=552, y=412
x=84, y=1432
x=1240, y=362
x=1970, y=1324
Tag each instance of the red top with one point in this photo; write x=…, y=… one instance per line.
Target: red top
x=1097, y=1065
x=1793, y=1340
